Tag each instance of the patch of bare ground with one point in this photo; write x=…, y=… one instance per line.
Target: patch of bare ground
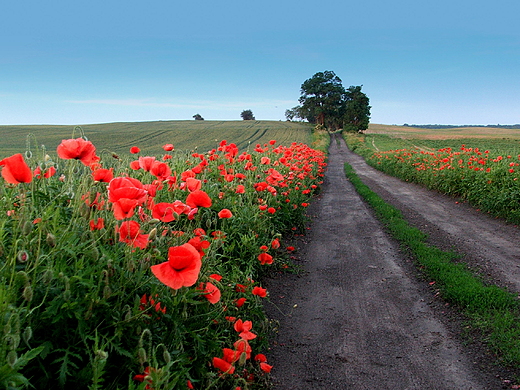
x=359, y=315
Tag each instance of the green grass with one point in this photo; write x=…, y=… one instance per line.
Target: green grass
x=490, y=309
x=150, y=136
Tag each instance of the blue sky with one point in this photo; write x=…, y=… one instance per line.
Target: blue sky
x=71, y=62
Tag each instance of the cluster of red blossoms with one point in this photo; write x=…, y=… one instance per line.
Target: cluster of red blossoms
x=133, y=203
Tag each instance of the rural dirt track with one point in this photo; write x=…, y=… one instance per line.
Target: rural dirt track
x=359, y=316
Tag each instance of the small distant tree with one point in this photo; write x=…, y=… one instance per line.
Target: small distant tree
x=198, y=117
x=357, y=110
x=247, y=115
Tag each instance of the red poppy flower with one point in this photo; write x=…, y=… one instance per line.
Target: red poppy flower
x=216, y=277
x=275, y=244
x=198, y=198
x=242, y=346
x=224, y=214
x=49, y=172
x=135, y=165
x=77, y=149
x=164, y=212
x=186, y=174
x=193, y=184
x=199, y=232
x=260, y=358
x=182, y=268
x=265, y=367
x=261, y=292
x=211, y=292
x=15, y=170
x=244, y=329
x=265, y=258
x=134, y=150
x=223, y=366
x=240, y=302
x=199, y=245
x=161, y=170
x=103, y=175
x=100, y=224
x=168, y=147
x=146, y=162
x=124, y=208
x=126, y=187
x=240, y=189
x=130, y=232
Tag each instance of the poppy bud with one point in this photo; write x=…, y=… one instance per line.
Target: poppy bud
x=24, y=278
x=22, y=256
x=243, y=359
x=12, y=358
x=27, y=334
x=107, y=291
x=27, y=293
x=84, y=210
x=141, y=353
x=153, y=234
x=51, y=240
x=101, y=355
x=93, y=253
x=27, y=228
x=166, y=356
x=48, y=275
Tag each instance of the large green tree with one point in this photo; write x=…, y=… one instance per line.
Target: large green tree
x=322, y=99
x=357, y=110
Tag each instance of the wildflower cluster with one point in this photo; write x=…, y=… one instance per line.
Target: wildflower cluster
x=137, y=271
x=488, y=181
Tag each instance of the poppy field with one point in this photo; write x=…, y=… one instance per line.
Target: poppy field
x=139, y=271
x=484, y=172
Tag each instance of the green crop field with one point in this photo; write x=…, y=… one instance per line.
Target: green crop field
x=150, y=136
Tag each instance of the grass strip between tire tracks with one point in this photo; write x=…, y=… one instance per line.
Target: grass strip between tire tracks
x=490, y=309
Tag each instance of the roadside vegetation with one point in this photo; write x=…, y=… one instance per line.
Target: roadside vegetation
x=131, y=270
x=483, y=172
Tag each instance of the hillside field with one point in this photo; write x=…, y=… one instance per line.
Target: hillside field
x=150, y=136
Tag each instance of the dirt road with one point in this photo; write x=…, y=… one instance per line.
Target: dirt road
x=358, y=317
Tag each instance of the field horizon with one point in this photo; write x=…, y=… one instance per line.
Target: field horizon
x=410, y=132
x=118, y=137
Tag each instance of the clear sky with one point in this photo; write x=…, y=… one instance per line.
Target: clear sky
x=420, y=62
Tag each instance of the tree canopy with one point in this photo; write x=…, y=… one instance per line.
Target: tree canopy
x=198, y=117
x=247, y=115
x=324, y=101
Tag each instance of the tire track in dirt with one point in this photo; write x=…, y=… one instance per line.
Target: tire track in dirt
x=356, y=318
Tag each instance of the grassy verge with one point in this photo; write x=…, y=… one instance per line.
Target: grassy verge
x=488, y=308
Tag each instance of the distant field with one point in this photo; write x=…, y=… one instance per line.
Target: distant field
x=440, y=134
x=150, y=136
